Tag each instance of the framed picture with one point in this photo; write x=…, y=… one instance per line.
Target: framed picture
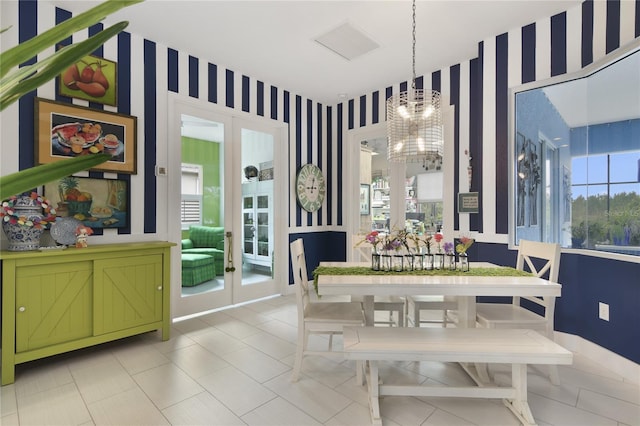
x=98, y=203
x=65, y=130
x=365, y=199
x=92, y=78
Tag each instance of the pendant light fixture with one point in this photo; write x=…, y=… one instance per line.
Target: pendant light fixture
x=414, y=121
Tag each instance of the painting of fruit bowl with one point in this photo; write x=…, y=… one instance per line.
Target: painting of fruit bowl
x=65, y=130
x=97, y=203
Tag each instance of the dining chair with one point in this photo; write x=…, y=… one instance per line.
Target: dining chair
x=416, y=304
x=390, y=304
x=543, y=260
x=326, y=318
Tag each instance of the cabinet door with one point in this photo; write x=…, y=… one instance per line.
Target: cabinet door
x=53, y=304
x=128, y=292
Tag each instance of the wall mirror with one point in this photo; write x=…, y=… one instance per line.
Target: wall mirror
x=576, y=157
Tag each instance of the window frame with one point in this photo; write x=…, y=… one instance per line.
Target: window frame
x=609, y=59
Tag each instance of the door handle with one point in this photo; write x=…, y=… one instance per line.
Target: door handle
x=230, y=267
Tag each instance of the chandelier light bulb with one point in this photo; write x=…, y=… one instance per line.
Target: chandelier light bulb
x=404, y=112
x=428, y=111
x=398, y=146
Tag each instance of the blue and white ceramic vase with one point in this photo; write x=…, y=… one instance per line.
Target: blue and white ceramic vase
x=24, y=237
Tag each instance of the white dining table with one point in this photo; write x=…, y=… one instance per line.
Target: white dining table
x=465, y=287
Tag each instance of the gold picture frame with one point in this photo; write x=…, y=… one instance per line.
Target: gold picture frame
x=64, y=130
x=92, y=78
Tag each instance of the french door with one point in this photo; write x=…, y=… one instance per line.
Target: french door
x=222, y=184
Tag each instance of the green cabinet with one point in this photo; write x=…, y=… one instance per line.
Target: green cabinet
x=62, y=300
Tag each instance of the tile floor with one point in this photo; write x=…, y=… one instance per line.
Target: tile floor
x=232, y=367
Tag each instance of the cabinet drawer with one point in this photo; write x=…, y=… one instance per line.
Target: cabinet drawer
x=53, y=304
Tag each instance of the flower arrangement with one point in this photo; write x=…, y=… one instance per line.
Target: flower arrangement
x=465, y=243
x=9, y=213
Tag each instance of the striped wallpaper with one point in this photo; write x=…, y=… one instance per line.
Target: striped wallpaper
x=477, y=87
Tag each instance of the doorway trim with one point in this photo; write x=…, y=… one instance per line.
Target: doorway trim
x=178, y=104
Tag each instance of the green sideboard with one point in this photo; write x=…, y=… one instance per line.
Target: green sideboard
x=56, y=301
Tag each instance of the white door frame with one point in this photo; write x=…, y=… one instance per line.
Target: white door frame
x=178, y=105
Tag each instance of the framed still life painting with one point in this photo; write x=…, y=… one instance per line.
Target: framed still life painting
x=64, y=130
x=97, y=203
x=91, y=78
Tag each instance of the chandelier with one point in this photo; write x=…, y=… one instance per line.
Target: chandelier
x=414, y=121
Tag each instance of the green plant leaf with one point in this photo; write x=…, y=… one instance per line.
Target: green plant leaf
x=30, y=48
x=53, y=66
x=28, y=179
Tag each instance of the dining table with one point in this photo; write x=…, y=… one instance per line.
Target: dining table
x=464, y=286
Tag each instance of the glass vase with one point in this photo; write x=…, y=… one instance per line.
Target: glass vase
x=463, y=258
x=409, y=262
x=428, y=263
x=398, y=262
x=450, y=261
x=385, y=262
x=375, y=262
x=438, y=261
x=418, y=262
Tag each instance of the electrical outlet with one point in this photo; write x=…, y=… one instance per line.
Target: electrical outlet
x=603, y=311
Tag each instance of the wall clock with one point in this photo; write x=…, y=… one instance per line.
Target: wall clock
x=310, y=187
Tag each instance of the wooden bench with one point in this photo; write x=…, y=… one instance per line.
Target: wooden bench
x=464, y=345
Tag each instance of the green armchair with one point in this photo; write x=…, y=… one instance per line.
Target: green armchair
x=207, y=240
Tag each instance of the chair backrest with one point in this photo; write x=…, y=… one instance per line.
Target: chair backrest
x=361, y=250
x=543, y=260
x=300, y=277
x=548, y=253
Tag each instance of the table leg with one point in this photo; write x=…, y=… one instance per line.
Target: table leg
x=367, y=304
x=374, y=394
x=467, y=319
x=519, y=405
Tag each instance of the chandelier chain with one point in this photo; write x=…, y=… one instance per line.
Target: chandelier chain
x=413, y=81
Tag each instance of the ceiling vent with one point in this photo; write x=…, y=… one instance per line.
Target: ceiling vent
x=347, y=41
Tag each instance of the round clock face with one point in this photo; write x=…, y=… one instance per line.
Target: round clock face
x=310, y=187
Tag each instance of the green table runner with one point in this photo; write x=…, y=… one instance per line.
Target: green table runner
x=498, y=271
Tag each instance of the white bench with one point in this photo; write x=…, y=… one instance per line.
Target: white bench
x=464, y=345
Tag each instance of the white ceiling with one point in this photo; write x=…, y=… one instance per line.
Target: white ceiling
x=273, y=41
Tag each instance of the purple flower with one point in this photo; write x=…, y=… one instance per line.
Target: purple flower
x=448, y=247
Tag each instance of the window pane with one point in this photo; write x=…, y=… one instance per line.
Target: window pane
x=625, y=167
x=597, y=168
x=579, y=170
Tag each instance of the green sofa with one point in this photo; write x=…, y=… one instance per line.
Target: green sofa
x=207, y=240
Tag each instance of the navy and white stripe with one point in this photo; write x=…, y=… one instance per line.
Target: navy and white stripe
x=478, y=88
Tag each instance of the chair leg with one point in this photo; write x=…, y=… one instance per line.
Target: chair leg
x=303, y=340
x=330, y=348
x=554, y=375
x=359, y=372
x=401, y=317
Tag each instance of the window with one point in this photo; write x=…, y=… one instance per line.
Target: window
x=576, y=160
x=191, y=200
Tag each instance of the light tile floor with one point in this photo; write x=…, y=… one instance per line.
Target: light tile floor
x=233, y=367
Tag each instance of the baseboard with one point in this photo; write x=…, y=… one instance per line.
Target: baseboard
x=613, y=362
